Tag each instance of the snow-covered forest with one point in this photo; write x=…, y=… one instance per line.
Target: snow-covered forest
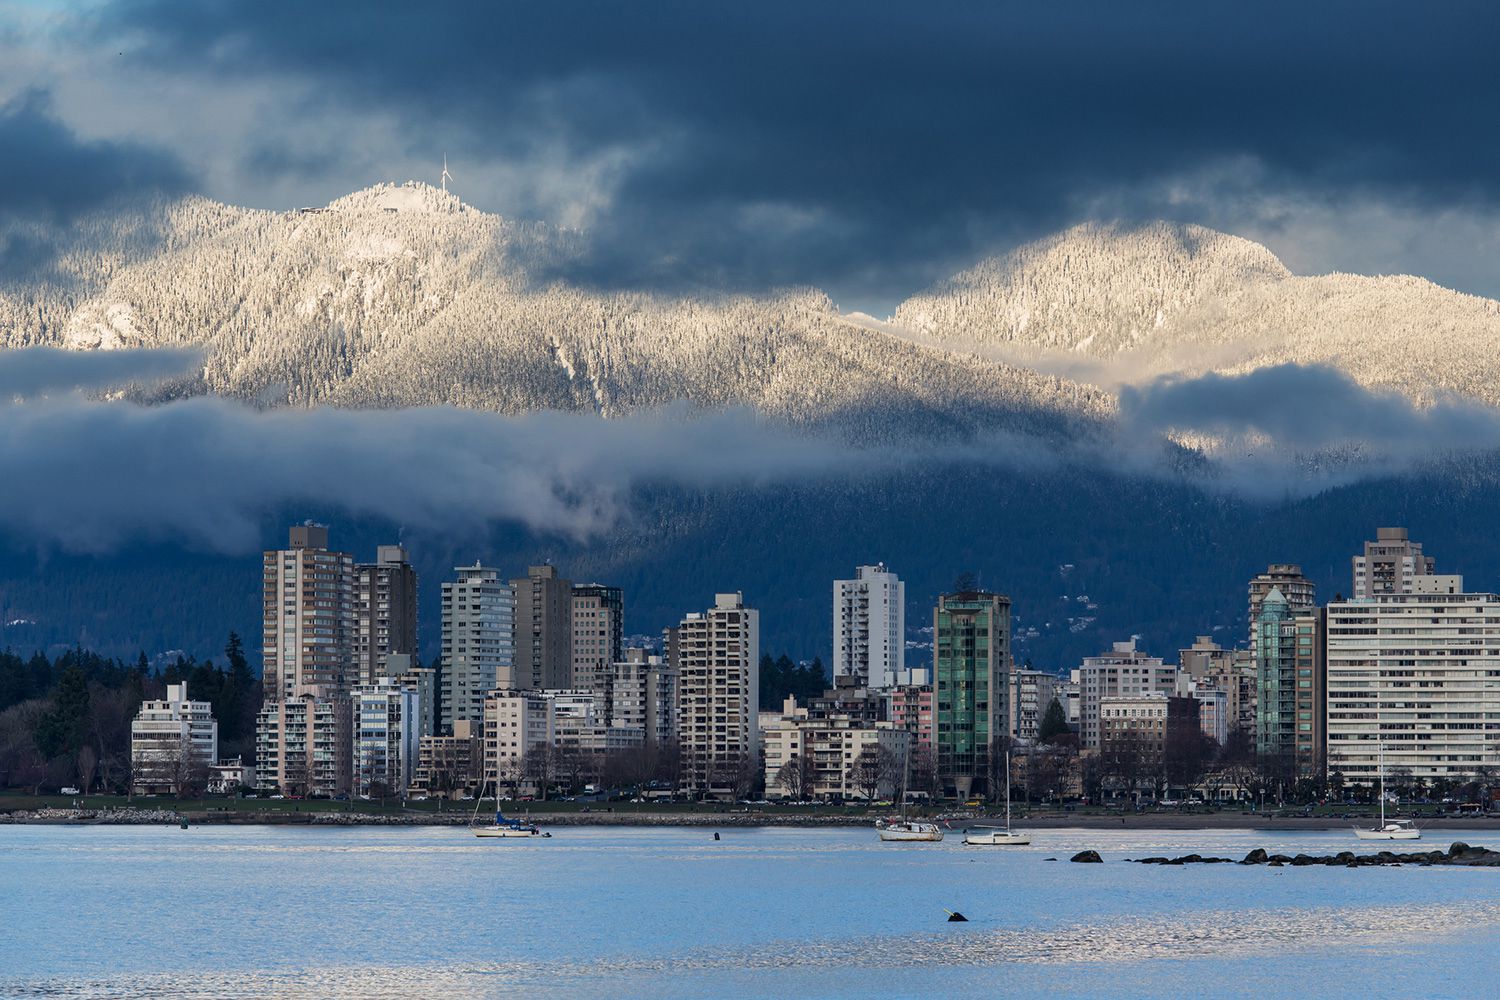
x=1183, y=298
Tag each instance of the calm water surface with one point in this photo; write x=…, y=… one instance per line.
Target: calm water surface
x=617, y=912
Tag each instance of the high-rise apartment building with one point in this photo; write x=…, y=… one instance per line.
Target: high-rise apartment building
x=1297, y=590
x=1389, y=564
x=716, y=655
x=1031, y=694
x=1123, y=672
x=643, y=695
x=598, y=636
x=869, y=627
x=385, y=608
x=1412, y=677
x=1231, y=671
x=971, y=670
x=478, y=655
x=303, y=743
x=543, y=638
x=308, y=622
x=171, y=741
x=387, y=736
x=1290, y=683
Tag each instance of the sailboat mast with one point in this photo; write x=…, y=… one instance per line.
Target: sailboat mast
x=1007, y=791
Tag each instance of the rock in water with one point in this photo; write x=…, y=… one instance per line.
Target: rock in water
x=1256, y=857
x=1087, y=858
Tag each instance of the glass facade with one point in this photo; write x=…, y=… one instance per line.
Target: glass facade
x=971, y=666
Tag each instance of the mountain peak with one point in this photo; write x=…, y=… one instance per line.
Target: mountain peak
x=411, y=197
x=1098, y=288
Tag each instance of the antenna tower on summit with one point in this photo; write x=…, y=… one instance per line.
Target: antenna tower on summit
x=446, y=176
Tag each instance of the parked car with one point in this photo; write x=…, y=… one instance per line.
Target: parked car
x=70, y=790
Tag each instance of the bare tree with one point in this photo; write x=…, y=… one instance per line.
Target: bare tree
x=874, y=769
x=87, y=762
x=540, y=767
x=792, y=777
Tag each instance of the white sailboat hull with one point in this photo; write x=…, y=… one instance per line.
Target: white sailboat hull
x=506, y=832
x=1403, y=834
x=911, y=832
x=997, y=838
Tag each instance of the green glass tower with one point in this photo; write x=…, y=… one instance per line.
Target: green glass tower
x=971, y=671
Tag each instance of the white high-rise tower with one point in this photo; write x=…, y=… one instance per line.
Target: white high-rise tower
x=869, y=627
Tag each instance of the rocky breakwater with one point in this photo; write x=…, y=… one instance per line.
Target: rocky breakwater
x=1459, y=854
x=128, y=815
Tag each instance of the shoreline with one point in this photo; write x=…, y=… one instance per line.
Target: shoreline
x=1148, y=821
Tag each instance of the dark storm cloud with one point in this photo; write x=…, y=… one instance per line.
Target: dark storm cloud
x=41, y=371
x=838, y=143
x=47, y=172
x=1309, y=408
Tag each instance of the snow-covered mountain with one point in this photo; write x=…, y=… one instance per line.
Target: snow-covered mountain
x=1183, y=298
x=399, y=296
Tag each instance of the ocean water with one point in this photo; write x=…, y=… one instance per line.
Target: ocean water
x=647, y=912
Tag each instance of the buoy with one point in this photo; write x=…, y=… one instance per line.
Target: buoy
x=716, y=836
x=954, y=917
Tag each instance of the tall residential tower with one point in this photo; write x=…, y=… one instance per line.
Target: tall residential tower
x=869, y=627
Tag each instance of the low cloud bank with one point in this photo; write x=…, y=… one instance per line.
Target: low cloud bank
x=42, y=371
x=90, y=475
x=1300, y=409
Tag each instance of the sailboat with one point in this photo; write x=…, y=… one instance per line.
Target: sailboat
x=903, y=829
x=1396, y=829
x=503, y=826
x=991, y=836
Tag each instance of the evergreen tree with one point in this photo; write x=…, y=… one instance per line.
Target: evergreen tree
x=61, y=730
x=1054, y=723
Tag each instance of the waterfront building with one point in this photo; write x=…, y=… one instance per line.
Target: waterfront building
x=580, y=725
x=303, y=743
x=1290, y=685
x=386, y=731
x=517, y=734
x=1231, y=671
x=1414, y=675
x=1390, y=564
x=543, y=639
x=405, y=670
x=832, y=758
x=911, y=709
x=448, y=764
x=385, y=609
x=478, y=653
x=869, y=627
x=308, y=621
x=716, y=656
x=971, y=667
x=598, y=636
x=1143, y=723
x=643, y=695
x=228, y=776
x=1123, y=672
x=1031, y=692
x=173, y=742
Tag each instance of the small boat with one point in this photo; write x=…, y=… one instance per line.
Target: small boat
x=902, y=829
x=1396, y=829
x=995, y=836
x=909, y=830
x=503, y=826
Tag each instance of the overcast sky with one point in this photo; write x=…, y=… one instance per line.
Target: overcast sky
x=866, y=147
